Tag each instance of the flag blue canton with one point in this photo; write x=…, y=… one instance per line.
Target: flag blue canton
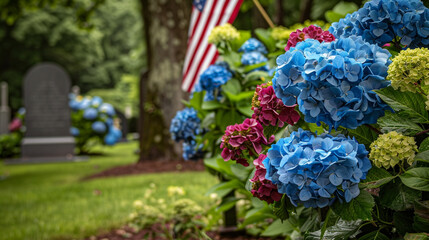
x=199, y=4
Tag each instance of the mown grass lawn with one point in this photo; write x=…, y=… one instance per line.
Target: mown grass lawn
x=49, y=201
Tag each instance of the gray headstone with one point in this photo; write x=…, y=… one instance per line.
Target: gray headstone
x=47, y=120
x=4, y=109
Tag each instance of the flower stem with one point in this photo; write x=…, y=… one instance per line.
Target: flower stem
x=422, y=132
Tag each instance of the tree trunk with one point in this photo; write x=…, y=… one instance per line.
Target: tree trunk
x=279, y=14
x=306, y=10
x=165, y=28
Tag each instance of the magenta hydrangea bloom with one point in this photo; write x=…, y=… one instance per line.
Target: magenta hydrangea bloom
x=242, y=140
x=312, y=32
x=268, y=109
x=262, y=188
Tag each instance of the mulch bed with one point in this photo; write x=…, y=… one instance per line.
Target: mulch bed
x=130, y=234
x=150, y=167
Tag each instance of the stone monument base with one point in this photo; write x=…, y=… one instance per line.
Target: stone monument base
x=33, y=160
x=47, y=147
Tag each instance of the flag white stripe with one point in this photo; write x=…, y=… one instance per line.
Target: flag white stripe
x=199, y=54
x=200, y=28
x=197, y=72
x=207, y=59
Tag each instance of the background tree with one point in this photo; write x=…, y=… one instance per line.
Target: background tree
x=165, y=27
x=96, y=56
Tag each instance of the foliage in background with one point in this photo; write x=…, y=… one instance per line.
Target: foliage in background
x=94, y=58
x=124, y=95
x=173, y=218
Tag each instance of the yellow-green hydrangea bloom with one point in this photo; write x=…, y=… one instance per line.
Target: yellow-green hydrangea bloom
x=225, y=32
x=280, y=33
x=409, y=70
x=391, y=149
x=427, y=102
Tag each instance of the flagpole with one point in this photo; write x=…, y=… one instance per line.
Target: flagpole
x=264, y=13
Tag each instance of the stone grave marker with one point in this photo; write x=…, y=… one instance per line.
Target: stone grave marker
x=47, y=138
x=4, y=109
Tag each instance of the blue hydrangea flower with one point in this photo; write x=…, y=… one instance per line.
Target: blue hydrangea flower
x=108, y=109
x=381, y=21
x=90, y=114
x=74, y=131
x=251, y=58
x=317, y=170
x=98, y=127
x=191, y=151
x=212, y=79
x=334, y=82
x=253, y=45
x=185, y=125
x=96, y=101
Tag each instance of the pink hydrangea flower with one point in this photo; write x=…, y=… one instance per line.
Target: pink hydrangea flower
x=309, y=32
x=270, y=110
x=15, y=125
x=262, y=188
x=245, y=139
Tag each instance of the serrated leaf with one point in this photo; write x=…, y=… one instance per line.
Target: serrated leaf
x=376, y=235
x=377, y=177
x=394, y=122
x=424, y=146
x=278, y=228
x=422, y=156
x=363, y=135
x=421, y=216
x=281, y=208
x=341, y=230
x=241, y=172
x=232, y=86
x=211, y=105
x=358, y=208
x=245, y=110
x=403, y=221
x=416, y=236
x=416, y=178
x=397, y=196
x=412, y=105
x=240, y=96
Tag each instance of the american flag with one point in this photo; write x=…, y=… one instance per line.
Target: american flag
x=206, y=14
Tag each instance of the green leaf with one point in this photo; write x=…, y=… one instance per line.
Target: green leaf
x=241, y=172
x=345, y=7
x=227, y=203
x=424, y=146
x=403, y=221
x=412, y=105
x=249, y=68
x=211, y=105
x=339, y=231
x=256, y=76
x=281, y=208
x=358, y=208
x=377, y=177
x=232, y=86
x=278, y=228
x=395, y=122
x=197, y=100
x=422, y=156
x=208, y=120
x=265, y=36
x=376, y=235
x=397, y=196
x=240, y=96
x=245, y=110
x=236, y=43
x=257, y=215
x=363, y=135
x=332, y=16
x=417, y=178
x=421, y=216
x=230, y=118
x=416, y=236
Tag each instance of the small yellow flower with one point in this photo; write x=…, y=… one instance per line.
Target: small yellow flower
x=222, y=33
x=175, y=190
x=391, y=149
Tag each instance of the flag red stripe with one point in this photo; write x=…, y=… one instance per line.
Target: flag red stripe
x=235, y=12
x=201, y=39
x=195, y=25
x=196, y=75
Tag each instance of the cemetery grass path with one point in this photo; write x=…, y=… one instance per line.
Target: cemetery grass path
x=50, y=201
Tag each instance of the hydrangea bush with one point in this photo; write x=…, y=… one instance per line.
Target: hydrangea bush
x=338, y=137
